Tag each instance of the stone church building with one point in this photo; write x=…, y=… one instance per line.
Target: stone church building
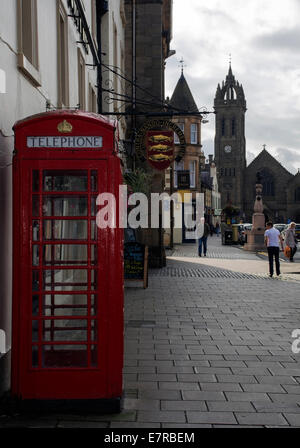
x=281, y=189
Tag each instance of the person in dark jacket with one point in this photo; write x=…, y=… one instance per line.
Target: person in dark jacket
x=203, y=240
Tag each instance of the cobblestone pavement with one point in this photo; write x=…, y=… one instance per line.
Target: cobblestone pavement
x=208, y=344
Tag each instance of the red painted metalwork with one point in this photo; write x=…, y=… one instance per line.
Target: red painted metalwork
x=68, y=274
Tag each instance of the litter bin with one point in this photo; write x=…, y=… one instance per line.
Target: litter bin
x=235, y=233
x=228, y=237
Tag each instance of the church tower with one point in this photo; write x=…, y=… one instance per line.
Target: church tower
x=230, y=143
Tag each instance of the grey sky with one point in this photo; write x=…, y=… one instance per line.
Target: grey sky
x=263, y=38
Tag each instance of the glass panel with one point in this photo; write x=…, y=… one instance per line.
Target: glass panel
x=94, y=304
x=94, y=330
x=35, y=231
x=35, y=281
x=35, y=305
x=65, y=229
x=67, y=280
x=65, y=305
x=35, y=180
x=94, y=183
x=64, y=356
x=64, y=181
x=65, y=330
x=65, y=206
x=93, y=230
x=94, y=355
x=35, y=255
x=35, y=330
x=65, y=254
x=35, y=356
x=93, y=205
x=35, y=205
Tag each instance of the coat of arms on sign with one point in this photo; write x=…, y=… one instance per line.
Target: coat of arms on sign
x=160, y=148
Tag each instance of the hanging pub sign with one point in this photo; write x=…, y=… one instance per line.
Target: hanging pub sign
x=160, y=148
x=155, y=143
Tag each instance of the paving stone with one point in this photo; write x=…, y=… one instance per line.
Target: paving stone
x=249, y=379
x=161, y=394
x=233, y=406
x=183, y=405
x=286, y=398
x=133, y=425
x=263, y=388
x=293, y=419
x=276, y=379
x=179, y=386
x=161, y=416
x=211, y=417
x=231, y=387
x=261, y=419
x=140, y=404
x=246, y=396
x=203, y=395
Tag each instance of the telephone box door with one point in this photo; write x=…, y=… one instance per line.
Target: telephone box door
x=62, y=314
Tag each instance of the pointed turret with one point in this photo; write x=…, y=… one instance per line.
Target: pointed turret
x=231, y=91
x=182, y=97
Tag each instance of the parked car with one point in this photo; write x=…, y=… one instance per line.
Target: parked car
x=242, y=228
x=280, y=226
x=297, y=231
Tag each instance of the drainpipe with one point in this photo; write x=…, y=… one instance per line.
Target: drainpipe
x=101, y=9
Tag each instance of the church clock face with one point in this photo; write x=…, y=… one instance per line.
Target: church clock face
x=227, y=149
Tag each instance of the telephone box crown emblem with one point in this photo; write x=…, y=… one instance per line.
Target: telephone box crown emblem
x=64, y=126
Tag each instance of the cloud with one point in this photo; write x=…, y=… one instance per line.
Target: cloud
x=263, y=42
x=281, y=39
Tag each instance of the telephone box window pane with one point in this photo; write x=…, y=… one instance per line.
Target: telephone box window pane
x=93, y=205
x=35, y=356
x=66, y=280
x=35, y=330
x=65, y=330
x=65, y=230
x=94, y=304
x=93, y=230
x=65, y=206
x=64, y=181
x=65, y=305
x=65, y=254
x=35, y=255
x=94, y=330
x=35, y=305
x=35, y=281
x=94, y=355
x=35, y=231
x=35, y=180
x=94, y=254
x=94, y=183
x=64, y=356
x=94, y=280
x=35, y=205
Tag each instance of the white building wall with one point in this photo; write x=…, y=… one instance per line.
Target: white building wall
x=114, y=18
x=24, y=98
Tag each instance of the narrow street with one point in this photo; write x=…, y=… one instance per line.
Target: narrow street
x=208, y=344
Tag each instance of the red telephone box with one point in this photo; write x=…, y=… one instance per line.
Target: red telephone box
x=68, y=273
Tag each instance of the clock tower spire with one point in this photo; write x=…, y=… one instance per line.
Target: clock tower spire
x=230, y=142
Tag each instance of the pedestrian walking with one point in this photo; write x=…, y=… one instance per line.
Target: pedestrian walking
x=272, y=241
x=203, y=240
x=217, y=228
x=211, y=229
x=291, y=240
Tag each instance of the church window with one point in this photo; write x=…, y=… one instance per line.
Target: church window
x=233, y=127
x=267, y=183
x=297, y=194
x=223, y=127
x=193, y=174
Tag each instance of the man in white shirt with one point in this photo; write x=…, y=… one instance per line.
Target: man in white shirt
x=272, y=241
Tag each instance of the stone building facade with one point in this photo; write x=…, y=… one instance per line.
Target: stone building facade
x=281, y=189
